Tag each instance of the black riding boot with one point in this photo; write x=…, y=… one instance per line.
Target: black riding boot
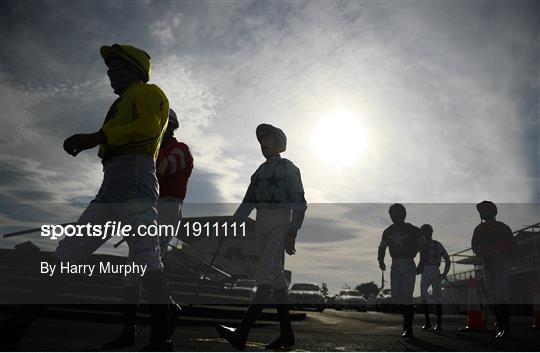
x=404, y=314
x=427, y=325
x=438, y=326
x=498, y=319
x=504, y=322
x=286, y=336
x=408, y=321
x=132, y=295
x=157, y=291
x=238, y=337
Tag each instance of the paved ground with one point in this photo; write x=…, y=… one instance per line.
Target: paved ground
x=327, y=331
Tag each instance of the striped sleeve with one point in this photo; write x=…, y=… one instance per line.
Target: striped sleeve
x=173, y=163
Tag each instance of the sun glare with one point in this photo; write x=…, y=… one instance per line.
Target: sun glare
x=340, y=139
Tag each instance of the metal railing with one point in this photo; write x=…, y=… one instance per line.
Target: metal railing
x=461, y=276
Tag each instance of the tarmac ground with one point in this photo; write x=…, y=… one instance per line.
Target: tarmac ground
x=327, y=331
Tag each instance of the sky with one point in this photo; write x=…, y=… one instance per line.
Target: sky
x=426, y=103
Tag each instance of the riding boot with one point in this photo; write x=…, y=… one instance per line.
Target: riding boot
x=126, y=338
x=504, y=319
x=286, y=336
x=403, y=310
x=157, y=291
x=408, y=322
x=427, y=325
x=438, y=326
x=238, y=337
x=411, y=319
x=507, y=328
x=498, y=319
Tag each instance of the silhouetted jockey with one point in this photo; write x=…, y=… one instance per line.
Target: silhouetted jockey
x=277, y=193
x=129, y=141
x=173, y=167
x=403, y=241
x=430, y=261
x=493, y=242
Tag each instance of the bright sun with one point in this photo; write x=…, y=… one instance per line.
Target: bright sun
x=340, y=138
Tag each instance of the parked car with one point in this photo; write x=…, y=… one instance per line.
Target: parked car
x=307, y=295
x=244, y=287
x=351, y=299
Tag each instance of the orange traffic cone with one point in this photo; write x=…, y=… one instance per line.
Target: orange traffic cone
x=536, y=307
x=475, y=317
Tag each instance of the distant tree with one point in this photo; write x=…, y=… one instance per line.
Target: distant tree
x=368, y=289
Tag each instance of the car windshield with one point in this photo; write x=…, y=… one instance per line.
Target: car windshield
x=305, y=286
x=248, y=283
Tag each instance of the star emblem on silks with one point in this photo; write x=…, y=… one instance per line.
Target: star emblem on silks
x=273, y=180
x=397, y=239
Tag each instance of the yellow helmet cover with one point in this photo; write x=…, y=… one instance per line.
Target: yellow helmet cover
x=135, y=56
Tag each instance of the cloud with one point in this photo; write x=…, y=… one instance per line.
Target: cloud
x=443, y=102
x=35, y=121
x=203, y=188
x=30, y=195
x=196, y=107
x=322, y=231
x=440, y=120
x=24, y=177
x=163, y=30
